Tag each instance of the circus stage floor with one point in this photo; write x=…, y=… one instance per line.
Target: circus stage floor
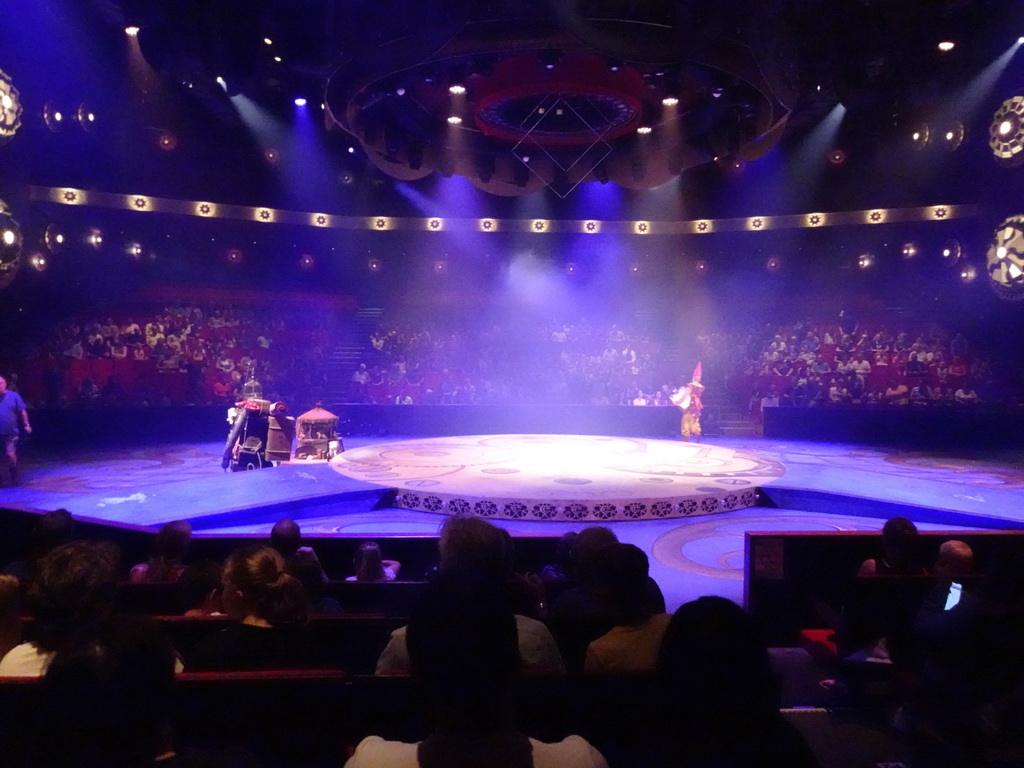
x=803, y=486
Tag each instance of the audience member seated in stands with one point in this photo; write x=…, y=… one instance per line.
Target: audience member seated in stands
x=462, y=642
x=972, y=693
x=631, y=646
x=720, y=697
x=271, y=607
x=371, y=566
x=50, y=531
x=169, y=549
x=199, y=589
x=583, y=602
x=107, y=700
x=305, y=567
x=900, y=556
x=72, y=590
x=956, y=560
x=560, y=575
x=286, y=538
x=10, y=614
x=474, y=544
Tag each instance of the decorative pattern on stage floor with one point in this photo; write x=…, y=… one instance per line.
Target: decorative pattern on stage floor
x=562, y=477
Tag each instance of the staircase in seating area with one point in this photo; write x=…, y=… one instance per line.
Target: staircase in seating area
x=347, y=353
x=730, y=419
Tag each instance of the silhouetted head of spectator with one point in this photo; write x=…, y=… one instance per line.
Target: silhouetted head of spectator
x=307, y=569
x=286, y=537
x=369, y=562
x=53, y=529
x=620, y=577
x=107, y=698
x=899, y=542
x=172, y=540
x=472, y=543
x=256, y=587
x=72, y=590
x=464, y=649
x=956, y=559
x=584, y=551
x=200, y=585
x=714, y=656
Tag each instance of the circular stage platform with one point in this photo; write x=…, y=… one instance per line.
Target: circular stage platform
x=561, y=477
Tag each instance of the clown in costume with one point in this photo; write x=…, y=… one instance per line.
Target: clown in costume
x=688, y=399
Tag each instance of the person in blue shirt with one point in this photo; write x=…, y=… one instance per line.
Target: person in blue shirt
x=12, y=411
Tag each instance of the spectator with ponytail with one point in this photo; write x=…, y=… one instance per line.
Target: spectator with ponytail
x=272, y=610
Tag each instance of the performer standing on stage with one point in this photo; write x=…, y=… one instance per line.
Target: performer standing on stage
x=688, y=399
x=12, y=409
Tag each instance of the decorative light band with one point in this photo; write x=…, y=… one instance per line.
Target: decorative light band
x=271, y=216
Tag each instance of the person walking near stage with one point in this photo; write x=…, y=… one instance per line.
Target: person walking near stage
x=12, y=411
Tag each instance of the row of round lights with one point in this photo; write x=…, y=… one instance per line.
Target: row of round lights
x=950, y=138
x=84, y=116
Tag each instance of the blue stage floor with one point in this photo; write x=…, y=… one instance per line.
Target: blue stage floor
x=826, y=487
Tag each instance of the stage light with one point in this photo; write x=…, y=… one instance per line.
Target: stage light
x=454, y=120
x=717, y=93
x=1005, y=260
x=300, y=102
x=319, y=219
x=700, y=266
x=435, y=224
x=539, y=225
x=968, y=274
x=642, y=227
x=168, y=142
x=271, y=155
x=590, y=227
x=703, y=226
x=132, y=31
x=815, y=219
x=268, y=41
x=10, y=246
x=954, y=136
x=134, y=250
x=205, y=209
x=277, y=59
x=837, y=157
x=757, y=223
x=877, y=216
x=86, y=117
x=909, y=250
x=440, y=267
x=374, y=265
x=571, y=268
x=1006, y=133
x=947, y=45
x=669, y=101
x=774, y=264
x=400, y=91
x=1020, y=41
x=10, y=108
x=222, y=82
x=952, y=251
x=38, y=262
x=306, y=262
x=94, y=239
x=644, y=129
x=865, y=261
x=52, y=116
x=266, y=215
x=233, y=256
x=457, y=89
x=53, y=238
x=920, y=136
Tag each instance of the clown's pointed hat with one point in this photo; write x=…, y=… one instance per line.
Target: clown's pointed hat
x=696, y=373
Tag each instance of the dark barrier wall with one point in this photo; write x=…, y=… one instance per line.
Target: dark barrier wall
x=132, y=426
x=898, y=426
